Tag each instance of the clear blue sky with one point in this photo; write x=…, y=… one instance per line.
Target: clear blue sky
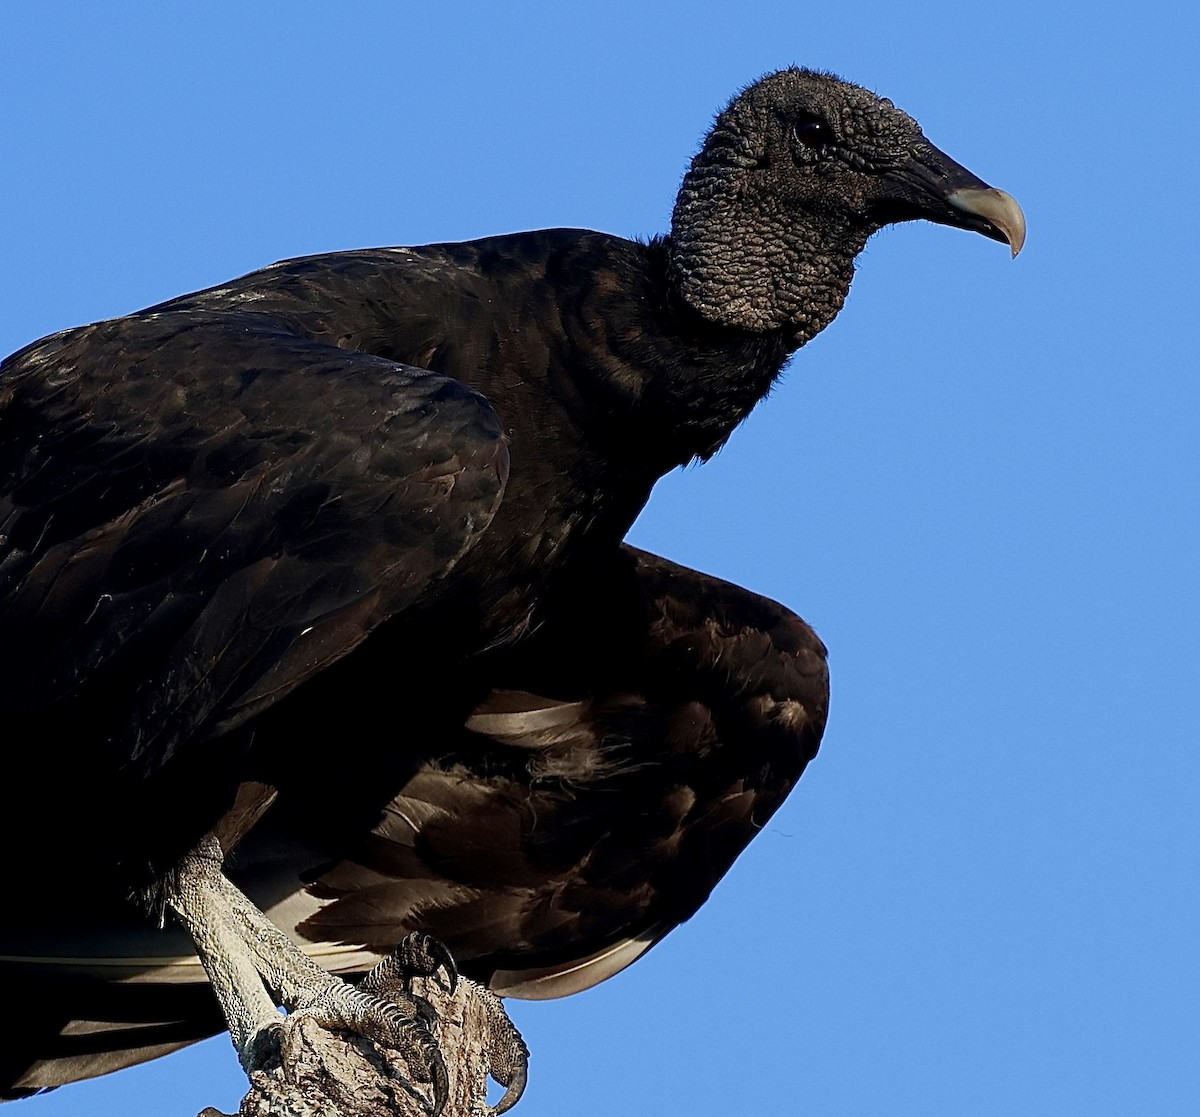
x=980, y=485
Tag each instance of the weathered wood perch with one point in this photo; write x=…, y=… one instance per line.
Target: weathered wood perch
x=326, y=1074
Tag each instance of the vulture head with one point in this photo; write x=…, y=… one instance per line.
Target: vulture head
x=796, y=173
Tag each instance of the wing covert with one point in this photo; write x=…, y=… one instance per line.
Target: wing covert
x=613, y=798
x=196, y=514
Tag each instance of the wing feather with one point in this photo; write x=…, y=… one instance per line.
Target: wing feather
x=608, y=811
x=198, y=513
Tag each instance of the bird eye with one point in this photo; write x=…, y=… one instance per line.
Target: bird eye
x=811, y=132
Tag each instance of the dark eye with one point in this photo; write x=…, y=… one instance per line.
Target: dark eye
x=811, y=132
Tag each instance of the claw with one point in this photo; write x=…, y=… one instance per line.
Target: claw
x=419, y=955
x=440, y=1085
x=440, y=955
x=516, y=1087
x=507, y=1055
x=254, y=968
x=422, y=956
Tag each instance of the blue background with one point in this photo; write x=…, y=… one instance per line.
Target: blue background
x=980, y=485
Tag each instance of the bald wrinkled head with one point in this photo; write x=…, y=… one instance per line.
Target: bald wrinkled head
x=797, y=172
x=801, y=116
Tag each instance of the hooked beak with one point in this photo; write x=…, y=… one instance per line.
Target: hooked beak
x=997, y=212
x=933, y=186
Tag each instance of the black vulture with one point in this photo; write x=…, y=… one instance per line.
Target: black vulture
x=321, y=572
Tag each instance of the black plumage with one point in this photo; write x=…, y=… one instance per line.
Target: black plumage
x=328, y=561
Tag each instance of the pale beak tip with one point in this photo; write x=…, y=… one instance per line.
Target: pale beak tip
x=998, y=208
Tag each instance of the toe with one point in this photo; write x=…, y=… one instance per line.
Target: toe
x=419, y=955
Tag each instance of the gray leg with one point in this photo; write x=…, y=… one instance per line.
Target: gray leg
x=253, y=967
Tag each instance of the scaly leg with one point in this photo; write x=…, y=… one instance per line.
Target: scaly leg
x=253, y=967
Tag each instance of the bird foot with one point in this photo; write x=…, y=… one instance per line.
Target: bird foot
x=253, y=967
x=419, y=960
x=391, y=1008
x=417, y=963
x=505, y=1050
x=399, y=1025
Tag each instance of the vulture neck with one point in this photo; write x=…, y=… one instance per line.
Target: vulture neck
x=697, y=379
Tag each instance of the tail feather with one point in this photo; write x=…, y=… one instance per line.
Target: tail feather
x=110, y=1026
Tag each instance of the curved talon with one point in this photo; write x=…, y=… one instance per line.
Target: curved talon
x=440, y=1083
x=423, y=955
x=439, y=953
x=515, y=1088
x=419, y=955
x=254, y=968
x=507, y=1055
